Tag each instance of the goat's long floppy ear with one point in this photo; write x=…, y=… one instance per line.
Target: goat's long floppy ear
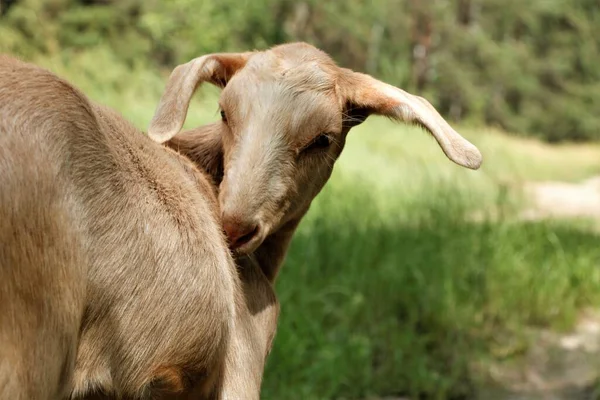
x=183, y=82
x=367, y=95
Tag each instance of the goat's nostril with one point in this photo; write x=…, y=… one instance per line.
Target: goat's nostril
x=240, y=234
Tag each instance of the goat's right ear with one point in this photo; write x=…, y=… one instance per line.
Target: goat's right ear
x=183, y=82
x=367, y=95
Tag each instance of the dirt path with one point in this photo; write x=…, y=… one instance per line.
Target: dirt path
x=556, y=367
x=563, y=200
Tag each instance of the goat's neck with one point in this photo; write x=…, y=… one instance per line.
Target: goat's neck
x=271, y=253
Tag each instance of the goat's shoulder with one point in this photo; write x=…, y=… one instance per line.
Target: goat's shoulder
x=149, y=167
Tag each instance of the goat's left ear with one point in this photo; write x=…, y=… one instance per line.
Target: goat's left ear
x=183, y=82
x=366, y=95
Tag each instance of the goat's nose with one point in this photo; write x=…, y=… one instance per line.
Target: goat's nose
x=239, y=233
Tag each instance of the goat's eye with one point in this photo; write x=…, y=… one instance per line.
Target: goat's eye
x=223, y=116
x=321, y=142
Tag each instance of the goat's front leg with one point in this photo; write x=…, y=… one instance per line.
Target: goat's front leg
x=250, y=339
x=257, y=311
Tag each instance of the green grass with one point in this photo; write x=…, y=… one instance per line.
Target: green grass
x=390, y=287
x=379, y=300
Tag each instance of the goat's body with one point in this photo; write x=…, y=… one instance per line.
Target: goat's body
x=108, y=242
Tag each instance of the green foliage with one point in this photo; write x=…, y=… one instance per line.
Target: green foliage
x=528, y=67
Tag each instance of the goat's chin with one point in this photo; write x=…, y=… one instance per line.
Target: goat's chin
x=246, y=249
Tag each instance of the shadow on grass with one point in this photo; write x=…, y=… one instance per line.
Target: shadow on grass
x=377, y=302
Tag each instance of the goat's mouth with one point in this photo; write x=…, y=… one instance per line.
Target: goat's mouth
x=248, y=242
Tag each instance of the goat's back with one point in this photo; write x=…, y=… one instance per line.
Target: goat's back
x=108, y=240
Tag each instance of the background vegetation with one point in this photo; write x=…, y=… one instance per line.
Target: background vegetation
x=410, y=275
x=526, y=66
